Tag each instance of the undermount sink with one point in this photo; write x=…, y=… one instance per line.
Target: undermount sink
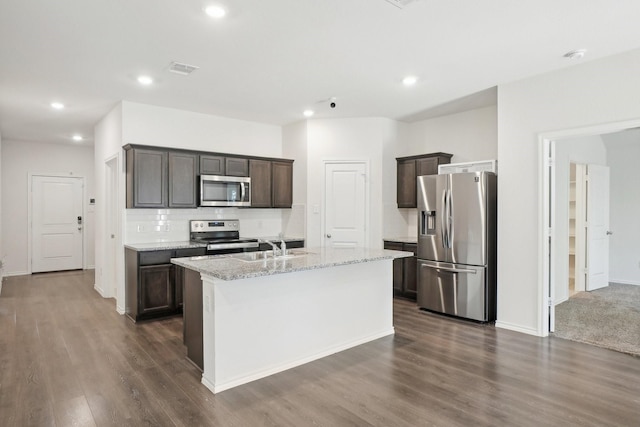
x=267, y=255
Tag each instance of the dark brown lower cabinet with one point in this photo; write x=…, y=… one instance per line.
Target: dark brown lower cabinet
x=156, y=289
x=192, y=316
x=153, y=286
x=404, y=270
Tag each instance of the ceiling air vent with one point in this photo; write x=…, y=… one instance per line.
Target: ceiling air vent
x=401, y=3
x=183, y=69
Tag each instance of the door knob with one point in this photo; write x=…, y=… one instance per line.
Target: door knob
x=328, y=236
x=609, y=233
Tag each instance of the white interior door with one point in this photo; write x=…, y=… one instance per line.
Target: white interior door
x=56, y=230
x=597, y=227
x=345, y=205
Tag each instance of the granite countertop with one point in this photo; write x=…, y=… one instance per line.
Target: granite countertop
x=226, y=267
x=401, y=239
x=277, y=239
x=161, y=246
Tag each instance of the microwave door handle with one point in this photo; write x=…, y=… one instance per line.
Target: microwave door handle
x=242, y=190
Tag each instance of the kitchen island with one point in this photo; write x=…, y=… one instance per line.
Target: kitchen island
x=261, y=316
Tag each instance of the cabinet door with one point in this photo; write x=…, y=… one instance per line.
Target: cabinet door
x=236, y=167
x=398, y=274
x=183, y=173
x=260, y=172
x=410, y=282
x=178, y=284
x=211, y=165
x=156, y=289
x=406, y=195
x=282, y=184
x=149, y=176
x=428, y=166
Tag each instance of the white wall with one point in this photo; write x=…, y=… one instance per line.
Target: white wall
x=169, y=127
x=597, y=92
x=584, y=150
x=470, y=136
x=107, y=144
x=345, y=139
x=624, y=250
x=20, y=158
x=294, y=146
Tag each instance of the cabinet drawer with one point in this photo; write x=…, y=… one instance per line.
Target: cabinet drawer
x=394, y=246
x=155, y=257
x=181, y=253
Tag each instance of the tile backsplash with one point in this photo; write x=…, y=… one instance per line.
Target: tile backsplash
x=171, y=225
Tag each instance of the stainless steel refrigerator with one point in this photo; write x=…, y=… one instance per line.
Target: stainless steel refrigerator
x=457, y=244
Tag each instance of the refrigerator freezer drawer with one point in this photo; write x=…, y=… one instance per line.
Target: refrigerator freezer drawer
x=455, y=289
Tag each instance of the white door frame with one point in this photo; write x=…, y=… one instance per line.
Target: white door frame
x=30, y=215
x=546, y=192
x=367, y=185
x=109, y=275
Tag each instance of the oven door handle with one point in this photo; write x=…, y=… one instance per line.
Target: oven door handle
x=215, y=246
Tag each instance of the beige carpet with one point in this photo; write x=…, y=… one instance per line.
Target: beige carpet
x=608, y=317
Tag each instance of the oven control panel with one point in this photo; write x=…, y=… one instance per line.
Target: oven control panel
x=214, y=225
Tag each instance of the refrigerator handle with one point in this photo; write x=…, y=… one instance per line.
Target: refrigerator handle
x=443, y=220
x=450, y=219
x=452, y=270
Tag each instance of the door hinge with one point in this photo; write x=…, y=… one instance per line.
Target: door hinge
x=550, y=302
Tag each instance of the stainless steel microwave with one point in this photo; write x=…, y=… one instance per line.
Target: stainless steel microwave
x=216, y=190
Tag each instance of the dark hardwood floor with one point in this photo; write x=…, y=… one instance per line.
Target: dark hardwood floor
x=67, y=358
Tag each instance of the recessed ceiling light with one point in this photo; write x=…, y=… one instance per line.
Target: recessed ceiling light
x=77, y=137
x=575, y=54
x=145, y=80
x=409, y=80
x=308, y=113
x=215, y=11
x=57, y=105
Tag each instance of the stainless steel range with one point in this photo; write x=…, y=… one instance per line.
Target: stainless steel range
x=221, y=236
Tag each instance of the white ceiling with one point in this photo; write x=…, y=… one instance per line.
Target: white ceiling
x=268, y=60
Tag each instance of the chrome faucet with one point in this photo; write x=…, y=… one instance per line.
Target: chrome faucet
x=274, y=248
x=283, y=247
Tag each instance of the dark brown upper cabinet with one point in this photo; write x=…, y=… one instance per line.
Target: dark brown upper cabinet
x=260, y=173
x=282, y=184
x=271, y=183
x=409, y=168
x=236, y=166
x=160, y=177
x=211, y=165
x=147, y=178
x=183, y=180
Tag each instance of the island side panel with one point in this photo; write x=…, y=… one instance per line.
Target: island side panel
x=257, y=327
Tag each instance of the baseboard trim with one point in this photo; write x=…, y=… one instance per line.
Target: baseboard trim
x=16, y=273
x=99, y=290
x=121, y=310
x=624, y=282
x=517, y=328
